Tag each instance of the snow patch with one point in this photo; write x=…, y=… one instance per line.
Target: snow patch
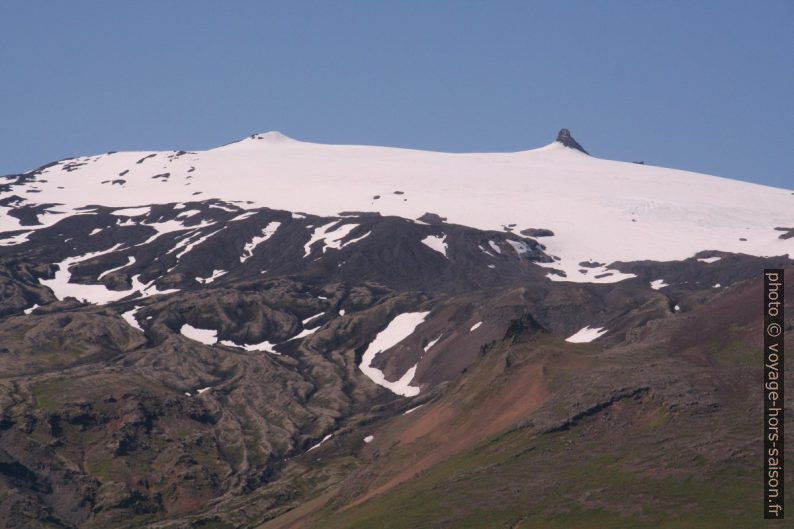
x=133, y=212
x=586, y=334
x=267, y=233
x=230, y=210
x=304, y=333
x=16, y=239
x=130, y=261
x=310, y=318
x=188, y=213
x=98, y=294
x=129, y=317
x=195, y=243
x=205, y=336
x=244, y=216
x=431, y=343
x=215, y=275
x=168, y=226
x=520, y=247
x=436, y=243
x=396, y=331
x=321, y=442
x=368, y=439
x=475, y=326
x=261, y=346
x=656, y=284
x=709, y=259
x=330, y=238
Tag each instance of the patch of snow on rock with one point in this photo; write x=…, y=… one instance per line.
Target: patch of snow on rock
x=396, y=331
x=244, y=216
x=195, y=243
x=188, y=213
x=133, y=212
x=431, y=343
x=520, y=247
x=586, y=334
x=310, y=318
x=98, y=294
x=215, y=275
x=130, y=261
x=205, y=336
x=304, y=333
x=19, y=238
x=261, y=346
x=267, y=233
x=321, y=442
x=331, y=239
x=436, y=243
x=129, y=317
x=656, y=284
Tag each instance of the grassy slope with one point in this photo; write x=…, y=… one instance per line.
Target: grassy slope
x=581, y=478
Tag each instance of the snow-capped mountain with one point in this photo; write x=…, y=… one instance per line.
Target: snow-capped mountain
x=276, y=333
x=600, y=211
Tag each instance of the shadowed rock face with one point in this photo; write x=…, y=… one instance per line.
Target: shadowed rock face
x=564, y=137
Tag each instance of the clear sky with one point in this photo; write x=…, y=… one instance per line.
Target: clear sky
x=706, y=86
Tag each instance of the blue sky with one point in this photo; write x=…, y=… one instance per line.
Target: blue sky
x=706, y=86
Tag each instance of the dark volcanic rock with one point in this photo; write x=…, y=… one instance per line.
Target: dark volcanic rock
x=537, y=232
x=432, y=219
x=788, y=233
x=564, y=137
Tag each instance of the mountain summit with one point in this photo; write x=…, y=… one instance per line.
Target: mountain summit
x=564, y=137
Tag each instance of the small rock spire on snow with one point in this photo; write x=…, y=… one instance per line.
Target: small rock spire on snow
x=566, y=139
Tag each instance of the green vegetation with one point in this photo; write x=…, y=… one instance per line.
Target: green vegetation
x=513, y=481
x=48, y=395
